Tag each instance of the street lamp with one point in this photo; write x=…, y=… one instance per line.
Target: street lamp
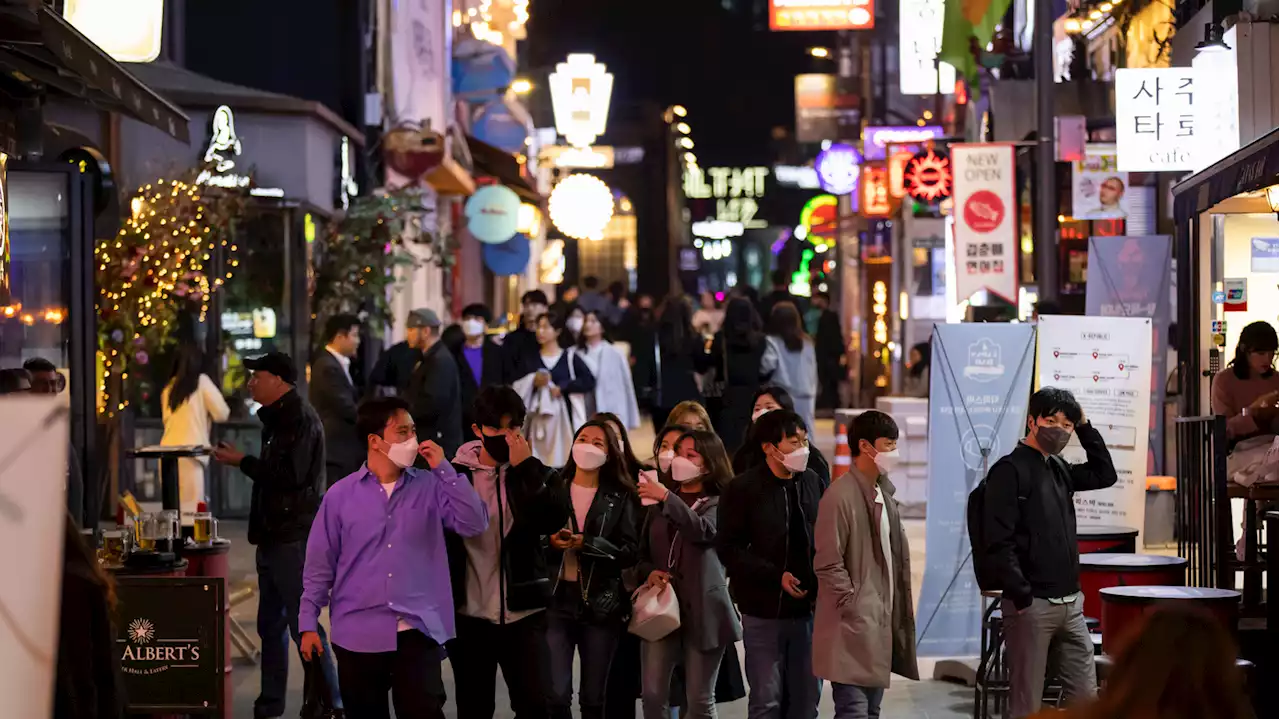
x=521, y=86
x=690, y=158
x=686, y=143
x=679, y=110
x=820, y=52
x=683, y=128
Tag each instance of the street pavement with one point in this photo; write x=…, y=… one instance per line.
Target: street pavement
x=926, y=699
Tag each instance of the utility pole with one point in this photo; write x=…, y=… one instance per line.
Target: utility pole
x=1045, y=210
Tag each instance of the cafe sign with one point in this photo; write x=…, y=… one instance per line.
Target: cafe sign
x=169, y=642
x=220, y=158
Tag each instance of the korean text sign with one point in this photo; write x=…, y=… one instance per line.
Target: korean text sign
x=986, y=212
x=1156, y=119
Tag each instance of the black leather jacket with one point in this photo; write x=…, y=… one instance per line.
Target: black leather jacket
x=611, y=541
x=289, y=474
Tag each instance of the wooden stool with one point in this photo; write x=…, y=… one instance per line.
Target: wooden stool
x=1107, y=539
x=1124, y=608
x=1103, y=569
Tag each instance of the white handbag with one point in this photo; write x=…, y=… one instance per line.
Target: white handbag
x=655, y=612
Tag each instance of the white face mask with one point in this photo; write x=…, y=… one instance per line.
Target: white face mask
x=573, y=324
x=403, y=453
x=760, y=413
x=589, y=456
x=797, y=460
x=472, y=327
x=664, y=459
x=886, y=461
x=684, y=470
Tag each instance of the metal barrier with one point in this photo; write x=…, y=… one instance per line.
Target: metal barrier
x=1203, y=510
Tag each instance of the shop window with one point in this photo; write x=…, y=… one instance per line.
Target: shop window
x=1248, y=247
x=35, y=322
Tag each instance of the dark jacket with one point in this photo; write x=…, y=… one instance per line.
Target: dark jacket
x=739, y=368
x=88, y=683
x=435, y=399
x=611, y=541
x=289, y=475
x=754, y=540
x=491, y=368
x=1029, y=517
x=678, y=365
x=536, y=512
x=394, y=368
x=517, y=348
x=334, y=398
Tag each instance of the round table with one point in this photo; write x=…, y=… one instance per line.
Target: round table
x=1123, y=609
x=1104, y=569
x=1106, y=539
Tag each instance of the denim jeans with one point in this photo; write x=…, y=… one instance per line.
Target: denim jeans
x=279, y=594
x=853, y=702
x=568, y=631
x=659, y=660
x=779, y=668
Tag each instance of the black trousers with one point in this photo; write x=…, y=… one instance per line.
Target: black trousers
x=519, y=648
x=411, y=674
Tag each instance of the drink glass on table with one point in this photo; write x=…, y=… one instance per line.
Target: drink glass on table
x=205, y=529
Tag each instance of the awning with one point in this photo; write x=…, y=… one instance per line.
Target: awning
x=1250, y=168
x=38, y=48
x=504, y=167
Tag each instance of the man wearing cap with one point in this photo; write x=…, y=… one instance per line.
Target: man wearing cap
x=435, y=393
x=288, y=477
x=391, y=373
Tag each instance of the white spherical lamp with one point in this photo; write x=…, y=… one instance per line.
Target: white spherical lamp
x=581, y=206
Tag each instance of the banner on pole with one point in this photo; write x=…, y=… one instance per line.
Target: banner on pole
x=1106, y=363
x=1131, y=277
x=986, y=212
x=979, y=384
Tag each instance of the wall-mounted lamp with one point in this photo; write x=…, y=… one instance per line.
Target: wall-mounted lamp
x=1213, y=41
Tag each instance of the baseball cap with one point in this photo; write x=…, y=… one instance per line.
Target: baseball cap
x=423, y=318
x=277, y=363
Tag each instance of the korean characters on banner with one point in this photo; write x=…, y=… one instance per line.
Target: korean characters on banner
x=986, y=212
x=1156, y=119
x=1106, y=363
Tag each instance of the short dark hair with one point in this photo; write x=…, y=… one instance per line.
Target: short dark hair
x=780, y=278
x=1048, y=307
x=591, y=282
x=871, y=425
x=495, y=402
x=1051, y=400
x=534, y=297
x=478, y=309
x=373, y=415
x=824, y=295
x=776, y=426
x=39, y=364
x=339, y=324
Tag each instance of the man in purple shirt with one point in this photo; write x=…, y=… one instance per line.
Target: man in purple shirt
x=376, y=556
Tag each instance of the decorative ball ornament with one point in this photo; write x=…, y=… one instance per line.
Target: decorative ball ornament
x=581, y=206
x=493, y=214
x=839, y=168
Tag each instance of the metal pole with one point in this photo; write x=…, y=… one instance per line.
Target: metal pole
x=1045, y=211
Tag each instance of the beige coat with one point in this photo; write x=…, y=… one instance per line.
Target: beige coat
x=857, y=637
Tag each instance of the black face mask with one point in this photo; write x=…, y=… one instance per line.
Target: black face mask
x=497, y=448
x=1052, y=439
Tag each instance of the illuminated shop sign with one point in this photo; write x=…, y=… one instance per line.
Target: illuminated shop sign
x=876, y=199
x=876, y=140
x=919, y=39
x=580, y=90
x=821, y=14
x=127, y=30
x=928, y=177
x=736, y=190
x=838, y=169
x=220, y=158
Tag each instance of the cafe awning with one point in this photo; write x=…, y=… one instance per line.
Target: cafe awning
x=504, y=167
x=1253, y=167
x=41, y=51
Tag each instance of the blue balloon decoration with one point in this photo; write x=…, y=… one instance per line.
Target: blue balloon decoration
x=493, y=214
x=509, y=258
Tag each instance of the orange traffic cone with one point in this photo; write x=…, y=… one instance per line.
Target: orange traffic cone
x=844, y=459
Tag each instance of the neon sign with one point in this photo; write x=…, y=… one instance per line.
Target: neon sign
x=837, y=168
x=818, y=219
x=580, y=90
x=928, y=177
x=876, y=201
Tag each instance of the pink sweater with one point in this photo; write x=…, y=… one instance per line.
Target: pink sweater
x=1232, y=394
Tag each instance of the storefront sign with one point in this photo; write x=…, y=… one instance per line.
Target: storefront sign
x=821, y=14
x=170, y=642
x=919, y=39
x=736, y=190
x=804, y=178
x=493, y=214
x=507, y=258
x=1156, y=119
x=838, y=169
x=877, y=201
x=717, y=229
x=1098, y=188
x=5, y=252
x=875, y=140
x=821, y=110
x=220, y=158
x=1218, y=103
x=585, y=158
x=927, y=177
x=1105, y=362
x=1264, y=254
x=346, y=185
x=127, y=30
x=580, y=91
x=818, y=219
x=581, y=206
x=986, y=211
x=976, y=369
x=1237, y=290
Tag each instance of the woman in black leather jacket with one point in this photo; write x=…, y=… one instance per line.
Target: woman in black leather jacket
x=590, y=606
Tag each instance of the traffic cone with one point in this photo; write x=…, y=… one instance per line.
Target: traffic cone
x=844, y=459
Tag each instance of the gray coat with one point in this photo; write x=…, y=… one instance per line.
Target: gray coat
x=681, y=540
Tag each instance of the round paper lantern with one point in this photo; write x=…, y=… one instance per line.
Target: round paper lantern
x=838, y=168
x=581, y=206
x=493, y=214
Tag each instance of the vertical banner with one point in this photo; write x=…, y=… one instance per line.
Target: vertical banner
x=979, y=384
x=1106, y=363
x=1131, y=277
x=986, y=212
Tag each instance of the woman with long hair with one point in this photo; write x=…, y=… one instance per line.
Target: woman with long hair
x=690, y=414
x=589, y=604
x=736, y=353
x=683, y=357
x=191, y=403
x=678, y=551
x=554, y=385
x=87, y=685
x=574, y=319
x=1245, y=392
x=916, y=383
x=790, y=361
x=766, y=399
x=615, y=392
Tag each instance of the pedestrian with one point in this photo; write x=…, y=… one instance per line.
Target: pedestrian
x=391, y=373
x=288, y=479
x=479, y=360
x=767, y=399
x=592, y=300
x=600, y=540
x=618, y=304
x=520, y=346
x=781, y=292
x=554, y=386
x=736, y=352
x=501, y=584
x=376, y=557
x=1028, y=543
x=790, y=361
x=664, y=447
x=435, y=391
x=15, y=381
x=1245, y=391
x=829, y=349
x=614, y=391
x=864, y=625
x=87, y=682
x=634, y=467
x=334, y=395
x=690, y=414
x=189, y=404
x=916, y=382
x=709, y=315
x=684, y=356
x=45, y=377
x=639, y=330
x=678, y=551
x=765, y=538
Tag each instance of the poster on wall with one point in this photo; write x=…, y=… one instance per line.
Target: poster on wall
x=1106, y=363
x=1264, y=254
x=986, y=211
x=979, y=383
x=1132, y=278
x=1098, y=188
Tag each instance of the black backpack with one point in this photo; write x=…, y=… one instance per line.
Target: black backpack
x=988, y=577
